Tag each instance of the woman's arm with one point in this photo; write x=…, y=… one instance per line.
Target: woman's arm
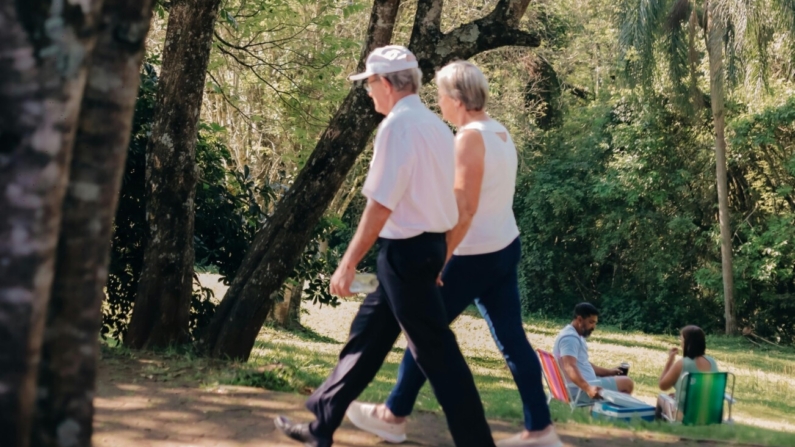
x=671, y=371
x=470, y=153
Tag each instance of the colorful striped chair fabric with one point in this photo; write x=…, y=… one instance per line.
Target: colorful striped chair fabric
x=556, y=383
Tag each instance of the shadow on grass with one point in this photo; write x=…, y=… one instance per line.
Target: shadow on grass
x=306, y=334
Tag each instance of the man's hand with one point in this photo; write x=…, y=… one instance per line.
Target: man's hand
x=439, y=280
x=373, y=220
x=593, y=392
x=342, y=279
x=616, y=372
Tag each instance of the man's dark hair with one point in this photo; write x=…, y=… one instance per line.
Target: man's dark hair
x=585, y=310
x=695, y=341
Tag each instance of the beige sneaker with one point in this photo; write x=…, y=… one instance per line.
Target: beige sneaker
x=363, y=416
x=550, y=439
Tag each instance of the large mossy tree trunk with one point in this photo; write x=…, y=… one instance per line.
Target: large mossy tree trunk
x=44, y=52
x=277, y=247
x=68, y=367
x=162, y=305
x=714, y=41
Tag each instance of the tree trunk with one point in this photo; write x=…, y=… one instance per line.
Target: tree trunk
x=287, y=314
x=43, y=61
x=715, y=34
x=162, y=305
x=69, y=354
x=277, y=247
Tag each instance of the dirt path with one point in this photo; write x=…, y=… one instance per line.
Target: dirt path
x=137, y=409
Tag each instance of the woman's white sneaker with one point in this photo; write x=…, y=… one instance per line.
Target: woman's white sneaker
x=363, y=416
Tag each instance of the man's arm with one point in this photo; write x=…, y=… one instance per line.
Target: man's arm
x=569, y=364
x=604, y=372
x=372, y=222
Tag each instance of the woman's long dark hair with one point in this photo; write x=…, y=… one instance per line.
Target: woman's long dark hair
x=695, y=341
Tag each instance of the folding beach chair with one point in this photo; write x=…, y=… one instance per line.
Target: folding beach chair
x=703, y=394
x=556, y=383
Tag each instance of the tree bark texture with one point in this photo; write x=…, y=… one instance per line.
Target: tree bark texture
x=714, y=42
x=287, y=314
x=44, y=49
x=69, y=356
x=162, y=305
x=276, y=248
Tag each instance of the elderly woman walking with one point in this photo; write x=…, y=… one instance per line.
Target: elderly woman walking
x=483, y=252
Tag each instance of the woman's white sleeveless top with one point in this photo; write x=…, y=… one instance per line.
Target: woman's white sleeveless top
x=493, y=226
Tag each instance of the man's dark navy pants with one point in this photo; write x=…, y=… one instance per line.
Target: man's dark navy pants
x=408, y=300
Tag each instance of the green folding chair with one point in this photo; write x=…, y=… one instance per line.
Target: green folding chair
x=703, y=394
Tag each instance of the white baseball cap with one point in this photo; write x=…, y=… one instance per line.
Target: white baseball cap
x=388, y=59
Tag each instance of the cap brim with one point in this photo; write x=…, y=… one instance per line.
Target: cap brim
x=360, y=76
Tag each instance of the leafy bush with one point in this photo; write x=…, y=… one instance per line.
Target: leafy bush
x=764, y=155
x=619, y=208
x=231, y=207
x=229, y=210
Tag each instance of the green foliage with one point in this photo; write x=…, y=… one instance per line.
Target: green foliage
x=228, y=213
x=617, y=211
x=231, y=206
x=276, y=377
x=313, y=272
x=764, y=154
x=129, y=233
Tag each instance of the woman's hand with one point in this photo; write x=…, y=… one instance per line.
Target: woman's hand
x=673, y=352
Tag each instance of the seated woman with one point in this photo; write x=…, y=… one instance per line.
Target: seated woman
x=693, y=347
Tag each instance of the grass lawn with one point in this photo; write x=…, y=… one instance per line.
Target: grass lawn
x=764, y=414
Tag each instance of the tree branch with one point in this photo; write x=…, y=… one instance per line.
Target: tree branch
x=474, y=38
x=380, y=28
x=510, y=12
x=427, y=27
x=226, y=98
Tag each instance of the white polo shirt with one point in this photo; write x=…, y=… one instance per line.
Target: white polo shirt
x=412, y=171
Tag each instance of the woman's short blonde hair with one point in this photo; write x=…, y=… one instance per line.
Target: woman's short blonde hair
x=463, y=80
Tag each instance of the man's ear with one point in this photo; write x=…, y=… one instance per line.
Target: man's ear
x=387, y=85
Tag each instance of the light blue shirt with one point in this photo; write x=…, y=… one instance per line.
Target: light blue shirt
x=570, y=343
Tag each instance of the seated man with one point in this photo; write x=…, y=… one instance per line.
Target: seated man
x=572, y=353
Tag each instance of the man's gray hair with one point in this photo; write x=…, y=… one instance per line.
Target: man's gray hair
x=403, y=80
x=463, y=80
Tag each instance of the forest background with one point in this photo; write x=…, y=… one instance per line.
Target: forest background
x=616, y=197
x=147, y=143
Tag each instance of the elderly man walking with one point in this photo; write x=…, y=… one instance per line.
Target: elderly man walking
x=410, y=207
